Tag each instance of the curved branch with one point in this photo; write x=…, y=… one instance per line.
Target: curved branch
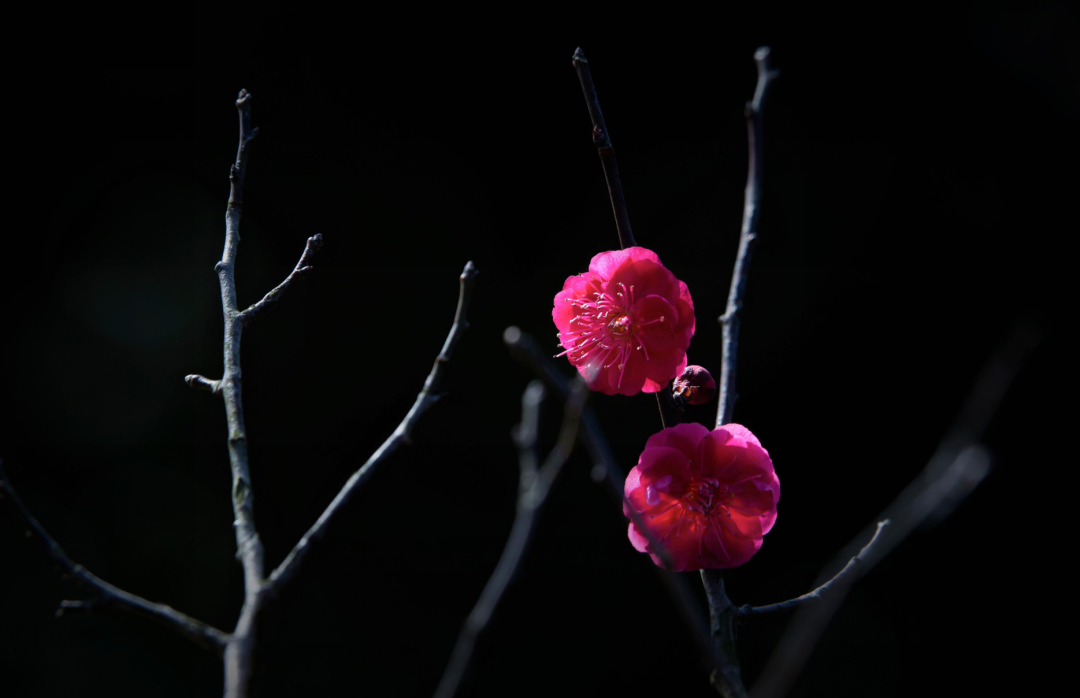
x=427, y=397
x=840, y=578
x=957, y=467
x=534, y=488
x=109, y=595
x=300, y=271
x=748, y=236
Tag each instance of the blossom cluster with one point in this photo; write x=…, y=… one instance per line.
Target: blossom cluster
x=697, y=498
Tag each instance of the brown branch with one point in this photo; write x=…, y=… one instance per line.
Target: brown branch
x=669, y=413
x=427, y=397
x=107, y=595
x=534, y=486
x=602, y=141
x=302, y=269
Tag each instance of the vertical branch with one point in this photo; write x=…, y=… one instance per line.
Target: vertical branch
x=238, y=653
x=602, y=141
x=722, y=612
x=669, y=414
x=751, y=213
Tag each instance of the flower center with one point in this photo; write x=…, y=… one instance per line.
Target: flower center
x=705, y=494
x=620, y=325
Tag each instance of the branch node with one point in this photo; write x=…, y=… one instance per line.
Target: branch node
x=197, y=382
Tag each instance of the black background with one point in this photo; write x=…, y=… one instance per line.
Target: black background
x=915, y=167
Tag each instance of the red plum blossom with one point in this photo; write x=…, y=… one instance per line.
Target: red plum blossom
x=626, y=323
x=707, y=497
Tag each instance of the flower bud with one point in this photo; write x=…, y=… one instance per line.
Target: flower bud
x=695, y=386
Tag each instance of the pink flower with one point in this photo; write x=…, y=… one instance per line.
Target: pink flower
x=626, y=323
x=707, y=496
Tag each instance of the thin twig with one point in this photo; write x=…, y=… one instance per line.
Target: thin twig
x=249, y=549
x=108, y=595
x=751, y=215
x=602, y=141
x=402, y=434
x=607, y=471
x=533, y=490
x=958, y=465
x=197, y=382
x=300, y=271
x=840, y=579
x=669, y=414
x=722, y=613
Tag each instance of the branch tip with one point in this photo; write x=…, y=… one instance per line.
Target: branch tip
x=426, y=398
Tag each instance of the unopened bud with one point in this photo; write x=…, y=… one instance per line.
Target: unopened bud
x=695, y=386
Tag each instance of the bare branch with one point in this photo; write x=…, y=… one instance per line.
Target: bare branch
x=402, y=434
x=249, y=549
x=958, y=465
x=816, y=595
x=602, y=141
x=197, y=382
x=747, y=238
x=669, y=413
x=607, y=471
x=727, y=678
x=300, y=271
x=533, y=490
x=107, y=595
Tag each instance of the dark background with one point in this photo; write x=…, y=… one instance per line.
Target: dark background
x=915, y=172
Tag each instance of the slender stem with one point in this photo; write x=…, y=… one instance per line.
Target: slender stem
x=402, y=434
x=249, y=549
x=301, y=271
x=197, y=382
x=726, y=679
x=957, y=467
x=533, y=492
x=817, y=594
x=669, y=414
x=106, y=594
x=607, y=471
x=748, y=236
x=602, y=140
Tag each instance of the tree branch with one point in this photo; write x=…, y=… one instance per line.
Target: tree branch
x=602, y=141
x=958, y=465
x=197, y=382
x=107, y=594
x=402, y=434
x=669, y=414
x=607, y=471
x=301, y=271
x=533, y=489
x=727, y=678
x=249, y=549
x=837, y=581
x=747, y=238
